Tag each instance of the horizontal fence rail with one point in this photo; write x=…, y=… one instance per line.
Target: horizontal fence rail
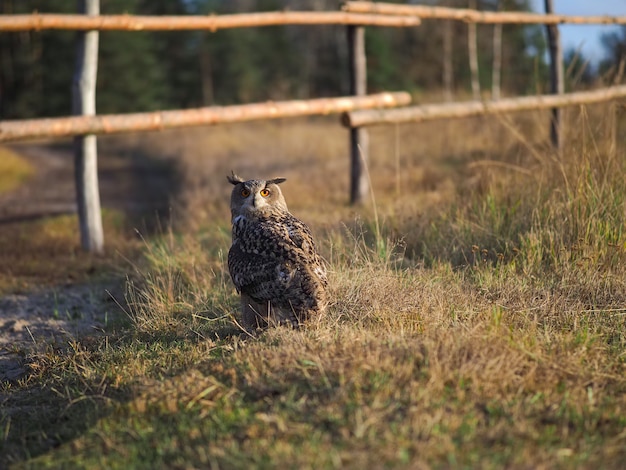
x=434, y=112
x=116, y=123
x=37, y=21
x=474, y=16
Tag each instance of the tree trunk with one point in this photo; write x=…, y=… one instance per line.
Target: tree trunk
x=206, y=72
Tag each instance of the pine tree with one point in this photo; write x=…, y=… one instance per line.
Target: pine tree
x=131, y=76
x=37, y=66
x=612, y=68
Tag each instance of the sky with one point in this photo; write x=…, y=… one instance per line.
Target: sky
x=585, y=37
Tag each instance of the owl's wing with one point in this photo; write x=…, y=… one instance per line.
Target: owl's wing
x=299, y=236
x=304, y=249
x=252, y=273
x=266, y=255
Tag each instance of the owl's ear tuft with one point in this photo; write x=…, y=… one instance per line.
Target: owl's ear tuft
x=276, y=181
x=234, y=178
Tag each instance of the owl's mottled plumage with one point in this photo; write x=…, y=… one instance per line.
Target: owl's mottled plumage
x=273, y=261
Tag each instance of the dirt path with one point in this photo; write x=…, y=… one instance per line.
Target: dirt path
x=39, y=316
x=131, y=183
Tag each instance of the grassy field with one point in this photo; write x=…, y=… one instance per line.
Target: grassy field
x=477, y=317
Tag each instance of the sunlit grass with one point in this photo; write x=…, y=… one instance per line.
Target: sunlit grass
x=478, y=320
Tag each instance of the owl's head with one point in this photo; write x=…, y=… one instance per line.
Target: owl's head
x=256, y=196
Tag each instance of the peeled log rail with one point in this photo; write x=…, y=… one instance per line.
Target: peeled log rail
x=463, y=14
x=39, y=21
x=474, y=108
x=115, y=123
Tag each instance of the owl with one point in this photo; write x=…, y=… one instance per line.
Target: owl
x=273, y=261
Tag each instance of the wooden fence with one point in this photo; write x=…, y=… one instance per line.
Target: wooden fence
x=358, y=110
x=211, y=23
x=117, y=123
x=474, y=16
x=465, y=109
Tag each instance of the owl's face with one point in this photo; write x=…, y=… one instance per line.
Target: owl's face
x=256, y=196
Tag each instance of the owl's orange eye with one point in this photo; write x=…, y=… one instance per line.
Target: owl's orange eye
x=245, y=193
x=265, y=192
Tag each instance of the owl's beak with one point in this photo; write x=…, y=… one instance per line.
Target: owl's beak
x=259, y=201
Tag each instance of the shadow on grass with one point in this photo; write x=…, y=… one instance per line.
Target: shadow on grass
x=40, y=242
x=141, y=186
x=70, y=388
x=42, y=417
x=40, y=249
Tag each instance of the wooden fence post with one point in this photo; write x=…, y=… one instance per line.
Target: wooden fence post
x=359, y=138
x=448, y=67
x=496, y=71
x=473, y=53
x=85, y=146
x=497, y=62
x=557, y=85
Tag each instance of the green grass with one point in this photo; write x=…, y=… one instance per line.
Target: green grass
x=480, y=323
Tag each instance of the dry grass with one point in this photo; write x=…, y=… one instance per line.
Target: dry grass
x=480, y=324
x=13, y=170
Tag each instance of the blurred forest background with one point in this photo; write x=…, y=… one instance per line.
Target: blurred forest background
x=143, y=71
